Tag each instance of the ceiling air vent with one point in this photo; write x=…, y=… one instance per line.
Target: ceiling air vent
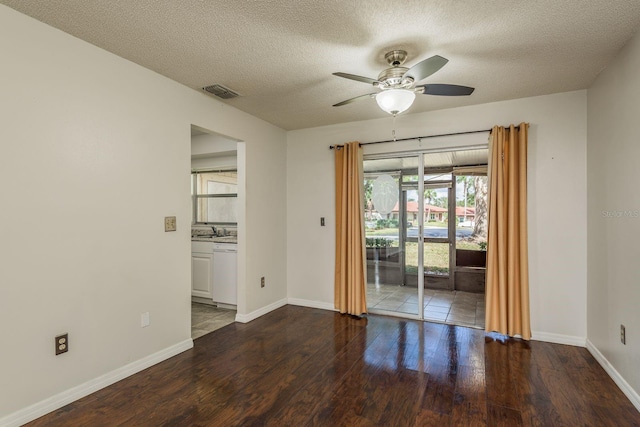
x=221, y=91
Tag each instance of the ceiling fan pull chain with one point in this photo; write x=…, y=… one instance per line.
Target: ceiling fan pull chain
x=393, y=131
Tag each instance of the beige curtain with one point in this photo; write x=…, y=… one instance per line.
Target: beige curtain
x=507, y=290
x=350, y=274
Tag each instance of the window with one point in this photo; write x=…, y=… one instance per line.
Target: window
x=215, y=197
x=471, y=211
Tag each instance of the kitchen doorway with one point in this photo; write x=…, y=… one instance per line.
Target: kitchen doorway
x=215, y=193
x=420, y=212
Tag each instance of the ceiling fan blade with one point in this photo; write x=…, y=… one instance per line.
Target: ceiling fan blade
x=446, y=90
x=356, y=78
x=425, y=68
x=357, y=98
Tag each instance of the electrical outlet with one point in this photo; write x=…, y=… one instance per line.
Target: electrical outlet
x=169, y=223
x=62, y=344
x=623, y=335
x=322, y=221
x=262, y=282
x=144, y=320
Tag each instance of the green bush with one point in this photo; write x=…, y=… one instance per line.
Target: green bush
x=387, y=223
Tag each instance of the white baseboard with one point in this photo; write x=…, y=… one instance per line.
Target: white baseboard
x=558, y=338
x=246, y=318
x=59, y=400
x=615, y=375
x=312, y=304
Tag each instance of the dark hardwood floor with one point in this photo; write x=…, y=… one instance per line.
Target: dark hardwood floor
x=299, y=366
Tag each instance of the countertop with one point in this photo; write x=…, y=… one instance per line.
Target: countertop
x=215, y=239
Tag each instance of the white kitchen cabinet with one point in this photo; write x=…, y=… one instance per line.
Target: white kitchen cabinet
x=202, y=274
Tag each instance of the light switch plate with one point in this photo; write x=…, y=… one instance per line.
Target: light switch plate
x=169, y=223
x=144, y=320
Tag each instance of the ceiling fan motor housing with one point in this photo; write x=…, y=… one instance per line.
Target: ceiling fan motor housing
x=393, y=77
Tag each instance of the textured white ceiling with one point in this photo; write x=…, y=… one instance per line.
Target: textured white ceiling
x=279, y=54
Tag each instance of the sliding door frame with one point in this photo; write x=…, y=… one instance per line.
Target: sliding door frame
x=403, y=218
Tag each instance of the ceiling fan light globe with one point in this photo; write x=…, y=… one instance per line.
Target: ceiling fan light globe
x=395, y=101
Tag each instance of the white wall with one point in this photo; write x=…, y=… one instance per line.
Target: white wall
x=613, y=247
x=213, y=151
x=212, y=144
x=215, y=162
x=557, y=200
x=95, y=151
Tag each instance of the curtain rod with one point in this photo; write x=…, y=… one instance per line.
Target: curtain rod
x=331, y=147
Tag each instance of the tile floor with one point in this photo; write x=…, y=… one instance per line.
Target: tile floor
x=207, y=318
x=451, y=307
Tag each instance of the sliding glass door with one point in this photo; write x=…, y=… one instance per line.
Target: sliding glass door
x=390, y=210
x=418, y=208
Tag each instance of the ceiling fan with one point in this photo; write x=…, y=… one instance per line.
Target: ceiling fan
x=397, y=84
